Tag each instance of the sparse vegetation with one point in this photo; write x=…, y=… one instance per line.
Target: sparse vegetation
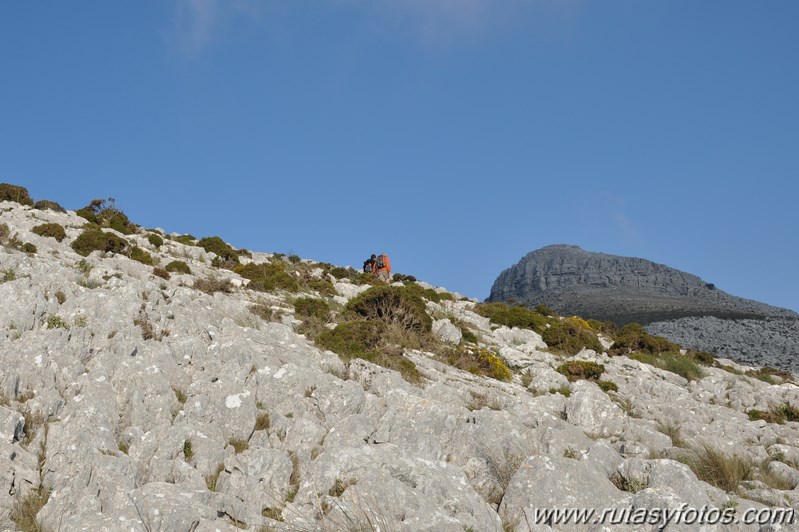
x=98, y=240
x=161, y=272
x=632, y=338
x=579, y=369
x=367, y=340
x=51, y=230
x=212, y=479
x=717, y=468
x=138, y=254
x=15, y=193
x=268, y=277
x=155, y=240
x=188, y=453
x=521, y=317
x=239, y=445
x=393, y=305
x=571, y=336
x=103, y=212
x=682, y=365
x=629, y=484
x=226, y=256
x=778, y=414
x=263, y=311
x=43, y=205
x=478, y=361
x=56, y=322
x=178, y=266
x=771, y=375
x=209, y=285
x=23, y=513
x=311, y=307
x=262, y=421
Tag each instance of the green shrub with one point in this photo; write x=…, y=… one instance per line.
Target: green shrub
x=43, y=205
x=323, y=286
x=27, y=247
x=701, y=357
x=294, y=259
x=226, y=256
x=400, y=278
x=312, y=307
x=545, y=310
x=632, y=338
x=267, y=277
x=98, y=240
x=392, y=304
x=155, y=240
x=162, y=273
x=56, y=322
x=188, y=453
x=188, y=240
x=367, y=340
x=50, y=230
x=354, y=339
x=178, y=266
x=478, y=361
x=581, y=369
x=604, y=327
x=138, y=254
x=15, y=193
x=209, y=285
x=502, y=314
x=428, y=293
x=682, y=365
x=341, y=273
x=608, y=386
x=105, y=214
x=570, y=336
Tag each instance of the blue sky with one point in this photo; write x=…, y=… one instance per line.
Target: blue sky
x=455, y=135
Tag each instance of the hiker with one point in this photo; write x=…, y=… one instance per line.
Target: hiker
x=383, y=267
x=369, y=264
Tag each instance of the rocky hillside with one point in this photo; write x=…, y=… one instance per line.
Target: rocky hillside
x=770, y=342
x=619, y=289
x=153, y=381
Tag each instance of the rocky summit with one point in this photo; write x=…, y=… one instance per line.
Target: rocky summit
x=618, y=289
x=677, y=305
x=159, y=382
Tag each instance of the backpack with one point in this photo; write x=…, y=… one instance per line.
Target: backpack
x=367, y=266
x=382, y=263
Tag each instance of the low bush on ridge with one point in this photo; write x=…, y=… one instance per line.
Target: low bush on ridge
x=103, y=212
x=98, y=240
x=15, y=193
x=51, y=230
x=392, y=304
x=632, y=338
x=521, y=317
x=570, y=336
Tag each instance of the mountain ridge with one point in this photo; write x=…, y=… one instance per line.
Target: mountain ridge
x=619, y=289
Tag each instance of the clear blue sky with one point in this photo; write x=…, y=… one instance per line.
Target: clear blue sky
x=455, y=135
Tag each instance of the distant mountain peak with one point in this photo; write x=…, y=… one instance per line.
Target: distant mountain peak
x=619, y=289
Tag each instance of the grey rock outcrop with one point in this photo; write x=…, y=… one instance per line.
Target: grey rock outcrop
x=771, y=342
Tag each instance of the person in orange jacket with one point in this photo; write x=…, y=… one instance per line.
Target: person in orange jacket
x=383, y=267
